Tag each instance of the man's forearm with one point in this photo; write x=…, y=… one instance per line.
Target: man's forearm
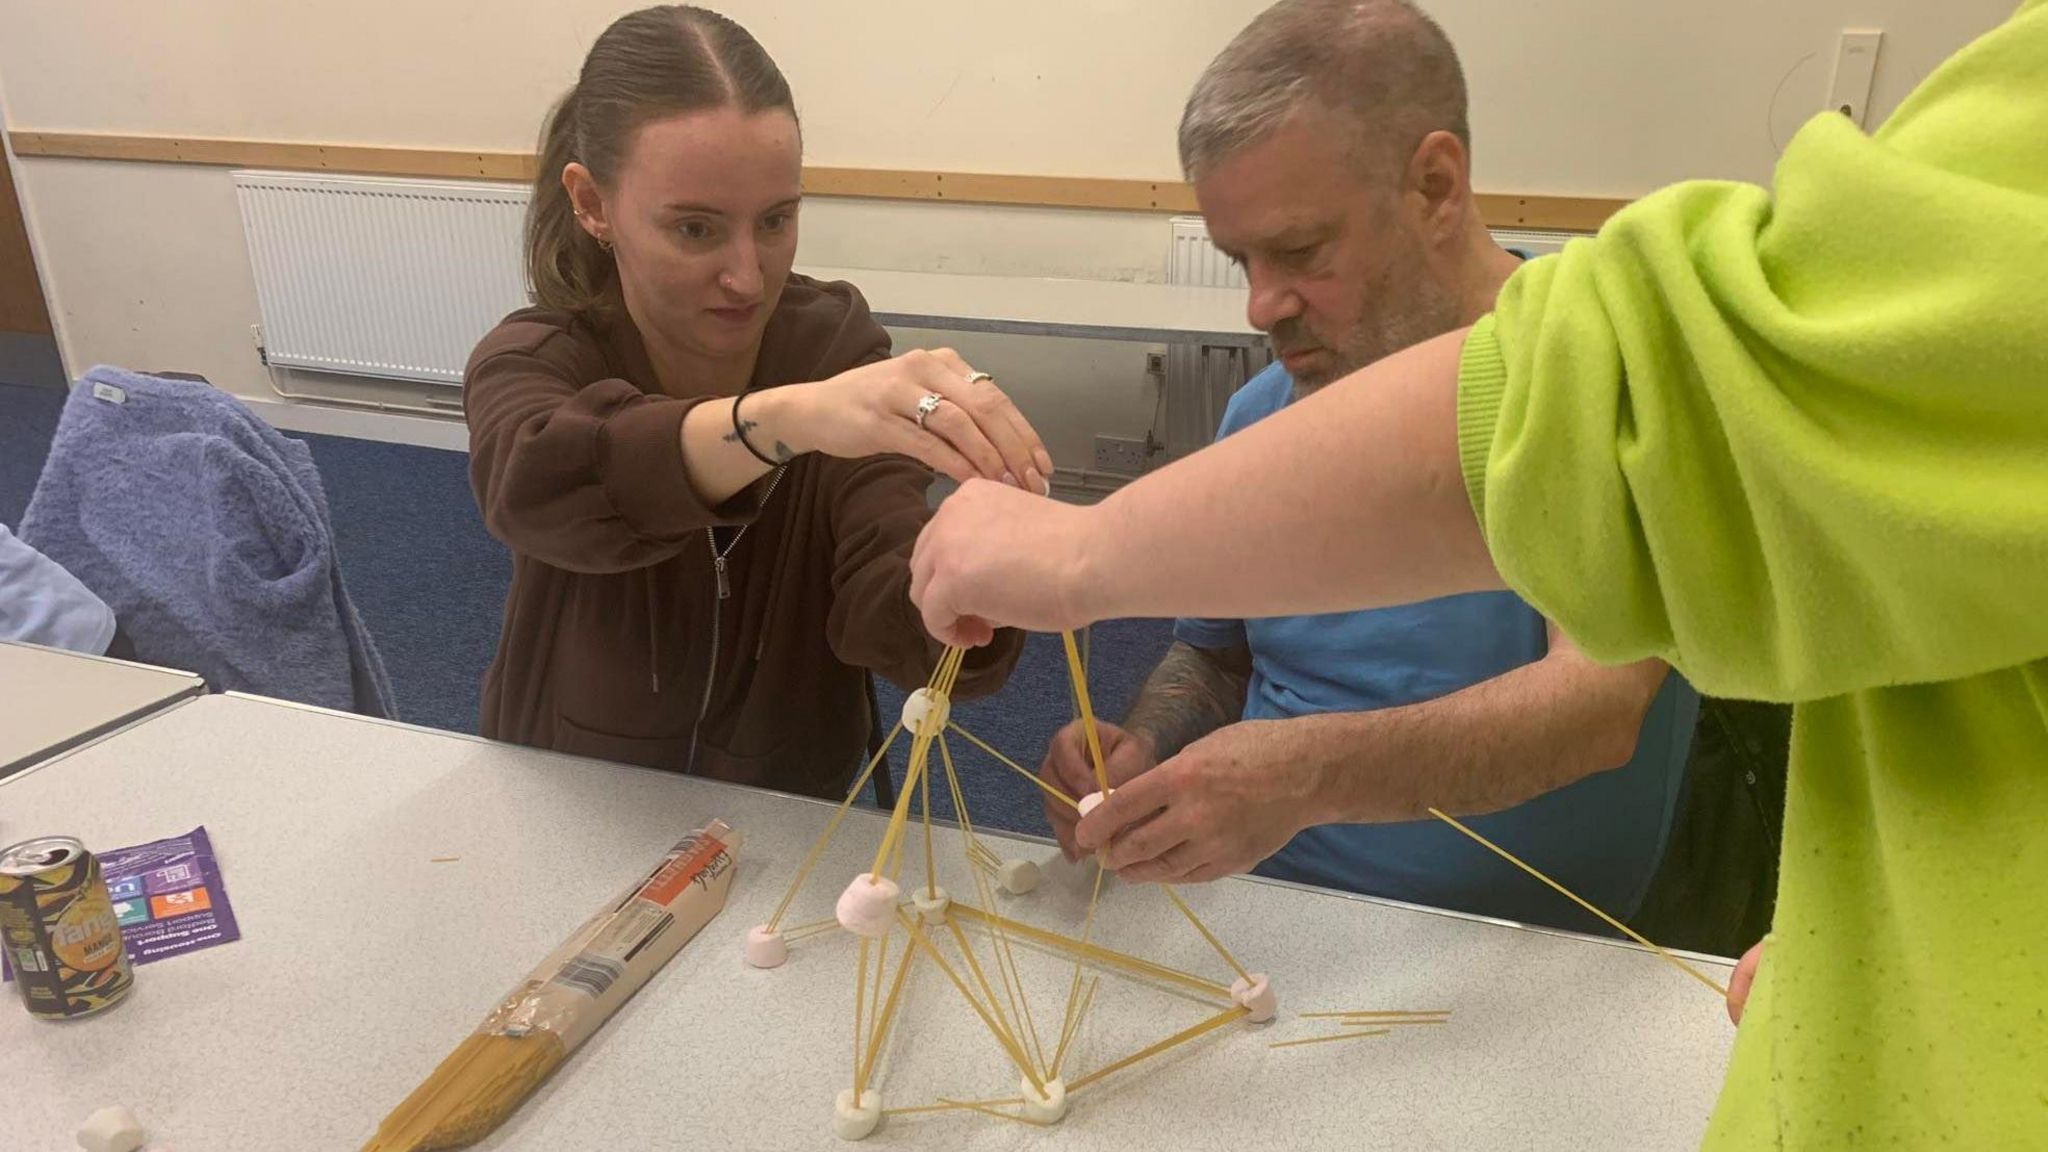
x=1491, y=746
x=1192, y=693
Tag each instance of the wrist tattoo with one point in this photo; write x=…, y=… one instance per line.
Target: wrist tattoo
x=738, y=435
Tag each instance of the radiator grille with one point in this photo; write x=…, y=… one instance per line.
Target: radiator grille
x=388, y=278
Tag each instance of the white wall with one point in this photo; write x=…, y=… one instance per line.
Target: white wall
x=146, y=265
x=1571, y=96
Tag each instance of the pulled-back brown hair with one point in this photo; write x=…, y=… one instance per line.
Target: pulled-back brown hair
x=652, y=63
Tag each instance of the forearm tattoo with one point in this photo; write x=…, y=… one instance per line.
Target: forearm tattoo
x=1192, y=693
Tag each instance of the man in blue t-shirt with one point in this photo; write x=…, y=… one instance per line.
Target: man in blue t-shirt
x=1329, y=151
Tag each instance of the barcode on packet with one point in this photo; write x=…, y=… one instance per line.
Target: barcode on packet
x=592, y=975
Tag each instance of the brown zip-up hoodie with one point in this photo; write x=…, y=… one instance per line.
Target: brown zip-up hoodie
x=617, y=643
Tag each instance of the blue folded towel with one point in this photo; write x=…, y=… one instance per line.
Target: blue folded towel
x=207, y=533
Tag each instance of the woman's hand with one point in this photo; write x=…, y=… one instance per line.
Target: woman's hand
x=972, y=431
x=1745, y=976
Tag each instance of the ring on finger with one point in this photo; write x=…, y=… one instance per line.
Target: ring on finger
x=926, y=407
x=978, y=377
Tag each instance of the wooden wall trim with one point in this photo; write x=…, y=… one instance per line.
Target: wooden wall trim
x=425, y=162
x=1563, y=213
x=986, y=188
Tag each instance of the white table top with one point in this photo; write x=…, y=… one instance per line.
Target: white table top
x=362, y=963
x=51, y=700
x=1048, y=306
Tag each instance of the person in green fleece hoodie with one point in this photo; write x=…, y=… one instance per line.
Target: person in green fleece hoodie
x=1793, y=442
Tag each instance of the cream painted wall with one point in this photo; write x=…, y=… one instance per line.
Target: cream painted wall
x=1571, y=96
x=146, y=265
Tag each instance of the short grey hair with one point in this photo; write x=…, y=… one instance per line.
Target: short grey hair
x=1383, y=63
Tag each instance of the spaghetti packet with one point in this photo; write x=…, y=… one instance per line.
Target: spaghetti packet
x=565, y=999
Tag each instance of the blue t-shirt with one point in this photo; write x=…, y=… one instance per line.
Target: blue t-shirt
x=1602, y=837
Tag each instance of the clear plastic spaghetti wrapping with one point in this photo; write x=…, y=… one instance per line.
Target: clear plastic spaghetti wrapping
x=566, y=998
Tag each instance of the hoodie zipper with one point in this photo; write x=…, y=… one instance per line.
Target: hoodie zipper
x=724, y=577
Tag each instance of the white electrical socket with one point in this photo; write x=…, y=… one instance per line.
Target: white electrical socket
x=1855, y=67
x=1120, y=455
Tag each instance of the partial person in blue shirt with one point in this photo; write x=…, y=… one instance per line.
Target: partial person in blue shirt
x=1601, y=836
x=1329, y=150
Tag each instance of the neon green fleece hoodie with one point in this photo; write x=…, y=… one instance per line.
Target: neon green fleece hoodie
x=1795, y=442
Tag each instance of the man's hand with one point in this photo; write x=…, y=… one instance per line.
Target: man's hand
x=1228, y=801
x=1125, y=756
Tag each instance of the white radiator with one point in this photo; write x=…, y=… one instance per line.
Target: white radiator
x=1200, y=378
x=1193, y=260
x=1531, y=240
x=389, y=278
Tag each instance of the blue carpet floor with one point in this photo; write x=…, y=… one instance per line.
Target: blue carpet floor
x=28, y=418
x=430, y=583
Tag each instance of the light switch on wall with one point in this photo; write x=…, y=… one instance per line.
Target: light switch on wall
x=1855, y=65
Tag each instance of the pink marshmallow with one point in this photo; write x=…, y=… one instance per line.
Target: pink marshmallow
x=868, y=906
x=765, y=948
x=1257, y=995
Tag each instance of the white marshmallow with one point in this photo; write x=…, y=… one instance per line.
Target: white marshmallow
x=1049, y=1108
x=1089, y=802
x=1018, y=876
x=112, y=1129
x=923, y=703
x=766, y=948
x=856, y=1120
x=931, y=903
x=1256, y=994
x=868, y=906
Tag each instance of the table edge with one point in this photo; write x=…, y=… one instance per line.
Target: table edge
x=35, y=762
x=1336, y=893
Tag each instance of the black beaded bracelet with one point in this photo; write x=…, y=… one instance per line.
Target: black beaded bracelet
x=739, y=431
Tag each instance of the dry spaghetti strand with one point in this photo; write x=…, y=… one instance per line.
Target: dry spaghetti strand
x=1567, y=893
x=1173, y=1041
x=1374, y=1013
x=1008, y=1044
x=803, y=871
x=1328, y=1039
x=941, y=687
x=1019, y=769
x=1206, y=934
x=1079, y=676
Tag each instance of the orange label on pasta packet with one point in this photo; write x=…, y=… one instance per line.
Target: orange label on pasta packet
x=684, y=865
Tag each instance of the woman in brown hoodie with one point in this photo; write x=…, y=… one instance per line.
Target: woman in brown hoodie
x=709, y=470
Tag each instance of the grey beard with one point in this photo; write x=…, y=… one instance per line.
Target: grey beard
x=1431, y=315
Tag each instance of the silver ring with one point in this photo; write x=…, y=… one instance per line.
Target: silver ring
x=978, y=377
x=926, y=407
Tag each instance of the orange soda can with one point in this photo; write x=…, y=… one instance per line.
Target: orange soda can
x=58, y=929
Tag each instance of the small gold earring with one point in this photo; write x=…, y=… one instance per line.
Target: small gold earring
x=604, y=244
